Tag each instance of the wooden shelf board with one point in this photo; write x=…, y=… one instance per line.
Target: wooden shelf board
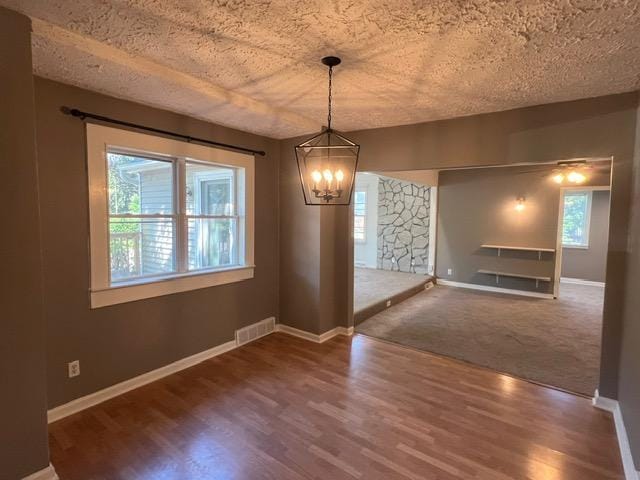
x=527, y=249
x=515, y=275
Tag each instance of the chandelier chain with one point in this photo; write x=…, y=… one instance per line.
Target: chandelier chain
x=330, y=98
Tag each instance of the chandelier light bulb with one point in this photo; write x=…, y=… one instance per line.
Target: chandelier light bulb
x=520, y=204
x=316, y=176
x=559, y=178
x=339, y=175
x=328, y=176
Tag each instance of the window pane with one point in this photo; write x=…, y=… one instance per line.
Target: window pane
x=139, y=185
x=360, y=203
x=574, y=227
x=360, y=211
x=358, y=228
x=140, y=247
x=210, y=189
x=212, y=242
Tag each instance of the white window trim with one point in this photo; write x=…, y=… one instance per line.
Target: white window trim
x=587, y=224
x=366, y=214
x=99, y=139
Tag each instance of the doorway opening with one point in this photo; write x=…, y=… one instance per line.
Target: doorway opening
x=513, y=271
x=393, y=248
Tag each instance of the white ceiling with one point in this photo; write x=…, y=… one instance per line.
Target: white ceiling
x=254, y=64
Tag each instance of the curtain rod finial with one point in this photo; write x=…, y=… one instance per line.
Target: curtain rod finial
x=74, y=112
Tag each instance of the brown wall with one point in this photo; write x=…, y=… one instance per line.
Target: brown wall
x=629, y=393
x=299, y=249
x=121, y=341
x=313, y=288
x=591, y=263
x=477, y=206
x=598, y=127
x=23, y=406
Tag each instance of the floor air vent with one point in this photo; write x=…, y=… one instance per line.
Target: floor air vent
x=255, y=331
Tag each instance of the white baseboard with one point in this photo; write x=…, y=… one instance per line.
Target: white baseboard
x=100, y=396
x=314, y=337
x=579, y=281
x=613, y=406
x=47, y=473
x=108, y=393
x=486, y=288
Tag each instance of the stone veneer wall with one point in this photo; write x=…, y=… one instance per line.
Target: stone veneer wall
x=403, y=226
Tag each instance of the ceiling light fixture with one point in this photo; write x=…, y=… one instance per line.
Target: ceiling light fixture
x=327, y=162
x=576, y=177
x=571, y=172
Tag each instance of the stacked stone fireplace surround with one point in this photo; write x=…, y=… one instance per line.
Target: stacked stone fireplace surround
x=403, y=226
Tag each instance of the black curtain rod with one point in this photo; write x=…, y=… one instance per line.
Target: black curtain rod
x=83, y=115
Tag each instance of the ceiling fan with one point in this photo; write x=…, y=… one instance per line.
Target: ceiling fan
x=572, y=172
x=577, y=172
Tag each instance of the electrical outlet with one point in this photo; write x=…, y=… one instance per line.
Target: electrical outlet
x=450, y=271
x=74, y=368
x=388, y=303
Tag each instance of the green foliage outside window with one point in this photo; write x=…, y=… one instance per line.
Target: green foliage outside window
x=124, y=194
x=575, y=222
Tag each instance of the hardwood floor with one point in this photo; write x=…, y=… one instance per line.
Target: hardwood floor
x=284, y=408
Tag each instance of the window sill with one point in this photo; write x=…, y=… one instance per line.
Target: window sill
x=579, y=247
x=132, y=291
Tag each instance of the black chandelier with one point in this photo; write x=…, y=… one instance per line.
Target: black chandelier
x=327, y=162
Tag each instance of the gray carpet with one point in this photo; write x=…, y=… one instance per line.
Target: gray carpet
x=555, y=342
x=372, y=286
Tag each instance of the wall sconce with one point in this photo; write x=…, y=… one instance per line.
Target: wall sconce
x=519, y=204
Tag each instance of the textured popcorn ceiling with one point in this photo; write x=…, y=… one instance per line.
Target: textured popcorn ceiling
x=254, y=65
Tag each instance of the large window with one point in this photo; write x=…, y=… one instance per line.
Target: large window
x=166, y=216
x=576, y=217
x=360, y=215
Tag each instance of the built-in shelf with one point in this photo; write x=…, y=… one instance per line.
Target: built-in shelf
x=529, y=249
x=522, y=249
x=514, y=275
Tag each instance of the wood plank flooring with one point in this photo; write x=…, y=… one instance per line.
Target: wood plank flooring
x=284, y=408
